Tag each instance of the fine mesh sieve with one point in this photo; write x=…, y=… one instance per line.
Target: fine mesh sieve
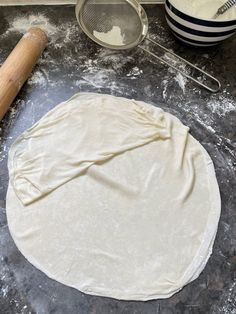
x=101, y=16
x=123, y=24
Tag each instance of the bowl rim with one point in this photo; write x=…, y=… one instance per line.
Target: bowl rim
x=219, y=22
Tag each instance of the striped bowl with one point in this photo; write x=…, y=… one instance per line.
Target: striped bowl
x=195, y=31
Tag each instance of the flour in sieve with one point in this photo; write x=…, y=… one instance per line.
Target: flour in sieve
x=113, y=37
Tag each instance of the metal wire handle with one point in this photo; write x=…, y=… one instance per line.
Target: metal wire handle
x=225, y=7
x=213, y=90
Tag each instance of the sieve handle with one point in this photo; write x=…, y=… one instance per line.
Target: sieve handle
x=217, y=82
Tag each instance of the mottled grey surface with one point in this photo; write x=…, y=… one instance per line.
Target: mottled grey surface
x=72, y=63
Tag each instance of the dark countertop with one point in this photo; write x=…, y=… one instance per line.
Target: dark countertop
x=72, y=63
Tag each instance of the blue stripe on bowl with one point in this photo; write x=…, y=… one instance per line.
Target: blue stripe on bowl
x=195, y=37
x=191, y=44
x=196, y=32
x=197, y=42
x=197, y=20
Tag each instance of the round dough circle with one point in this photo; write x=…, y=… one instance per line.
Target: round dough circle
x=138, y=225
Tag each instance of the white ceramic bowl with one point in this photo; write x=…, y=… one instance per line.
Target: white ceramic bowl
x=195, y=31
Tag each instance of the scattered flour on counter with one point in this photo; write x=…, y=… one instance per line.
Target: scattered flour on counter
x=3, y=152
x=70, y=31
x=158, y=31
x=4, y=291
x=114, y=58
x=222, y=105
x=93, y=75
x=210, y=128
x=134, y=72
x=227, y=303
x=181, y=80
x=99, y=79
x=37, y=78
x=218, y=105
x=12, y=113
x=22, y=24
x=179, y=77
x=58, y=36
x=113, y=37
x=165, y=86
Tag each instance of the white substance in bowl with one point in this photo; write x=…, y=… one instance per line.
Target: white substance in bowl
x=113, y=37
x=205, y=9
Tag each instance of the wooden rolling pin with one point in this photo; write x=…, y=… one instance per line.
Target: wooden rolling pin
x=18, y=66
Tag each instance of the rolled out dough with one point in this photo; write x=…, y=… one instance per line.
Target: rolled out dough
x=113, y=197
